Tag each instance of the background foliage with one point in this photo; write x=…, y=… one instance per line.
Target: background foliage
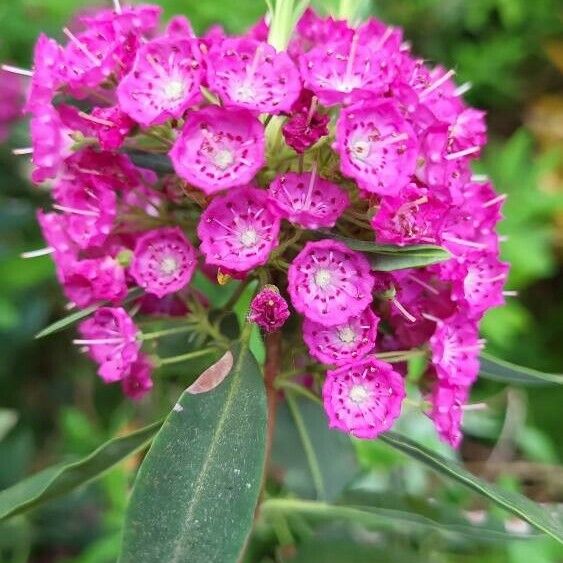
x=52, y=405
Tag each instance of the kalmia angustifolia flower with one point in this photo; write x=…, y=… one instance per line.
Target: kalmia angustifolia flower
x=295, y=172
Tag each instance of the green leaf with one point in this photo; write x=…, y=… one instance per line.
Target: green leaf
x=389, y=257
x=382, y=518
x=506, y=372
x=523, y=507
x=196, y=492
x=160, y=163
x=63, y=478
x=79, y=315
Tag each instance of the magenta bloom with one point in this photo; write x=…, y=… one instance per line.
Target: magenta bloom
x=305, y=125
x=251, y=74
x=269, y=309
x=329, y=283
x=377, y=147
x=110, y=338
x=219, y=148
x=307, y=200
x=343, y=343
x=163, y=82
x=110, y=126
x=238, y=230
x=447, y=402
x=93, y=280
x=138, y=382
x=363, y=398
x=455, y=349
x=164, y=261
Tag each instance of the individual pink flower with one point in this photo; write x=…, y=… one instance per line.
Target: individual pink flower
x=163, y=82
x=140, y=19
x=269, y=309
x=250, y=74
x=305, y=124
x=377, y=147
x=219, y=148
x=446, y=412
x=110, y=126
x=308, y=200
x=455, y=347
x=412, y=216
x=110, y=338
x=90, y=281
x=363, y=398
x=138, y=382
x=342, y=343
x=329, y=283
x=238, y=230
x=163, y=261
x=90, y=208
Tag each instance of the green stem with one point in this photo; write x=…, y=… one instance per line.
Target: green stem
x=400, y=355
x=165, y=332
x=307, y=445
x=184, y=357
x=292, y=386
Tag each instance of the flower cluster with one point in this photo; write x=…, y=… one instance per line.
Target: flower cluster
x=296, y=167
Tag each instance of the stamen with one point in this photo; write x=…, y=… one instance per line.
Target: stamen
x=461, y=154
x=432, y=318
x=80, y=45
x=37, y=253
x=351, y=57
x=403, y=311
x=510, y=293
x=437, y=84
x=479, y=178
x=117, y=6
x=463, y=242
x=424, y=285
x=97, y=341
x=463, y=89
x=312, y=181
x=76, y=211
x=17, y=70
x=23, y=151
x=497, y=199
x=386, y=34
x=475, y=407
x=97, y=120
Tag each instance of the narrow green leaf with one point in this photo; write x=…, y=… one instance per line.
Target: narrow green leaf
x=63, y=478
x=384, y=518
x=160, y=163
x=523, y=507
x=506, y=372
x=79, y=315
x=389, y=257
x=196, y=491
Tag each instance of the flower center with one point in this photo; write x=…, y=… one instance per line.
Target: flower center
x=168, y=265
x=245, y=93
x=358, y=394
x=347, y=335
x=174, y=90
x=223, y=158
x=360, y=149
x=249, y=237
x=322, y=278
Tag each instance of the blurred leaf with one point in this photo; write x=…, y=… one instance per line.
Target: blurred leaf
x=314, y=461
x=196, y=491
x=523, y=507
x=160, y=163
x=8, y=419
x=60, y=479
x=501, y=370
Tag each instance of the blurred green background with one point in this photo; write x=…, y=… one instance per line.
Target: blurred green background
x=53, y=405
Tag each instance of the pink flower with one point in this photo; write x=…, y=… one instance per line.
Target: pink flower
x=363, y=398
x=219, y=148
x=90, y=281
x=412, y=216
x=305, y=125
x=307, y=200
x=164, y=261
x=269, y=309
x=377, y=147
x=138, y=382
x=455, y=347
x=447, y=402
x=342, y=343
x=250, y=74
x=238, y=230
x=110, y=338
x=329, y=283
x=163, y=82
x=110, y=126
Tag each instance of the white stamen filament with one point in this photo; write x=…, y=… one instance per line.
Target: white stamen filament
x=95, y=119
x=424, y=285
x=475, y=407
x=431, y=318
x=403, y=311
x=307, y=202
x=479, y=178
x=37, y=253
x=463, y=89
x=461, y=154
x=510, y=293
x=351, y=57
x=22, y=151
x=437, y=84
x=76, y=211
x=97, y=341
x=80, y=45
x=497, y=199
x=117, y=6
x=463, y=242
x=17, y=70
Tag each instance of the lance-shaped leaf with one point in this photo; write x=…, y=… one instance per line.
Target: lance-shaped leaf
x=160, y=163
x=196, y=492
x=63, y=478
x=506, y=372
x=389, y=257
x=537, y=516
